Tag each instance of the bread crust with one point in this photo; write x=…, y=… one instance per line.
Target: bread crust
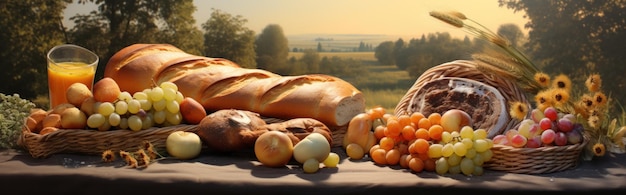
x=218, y=83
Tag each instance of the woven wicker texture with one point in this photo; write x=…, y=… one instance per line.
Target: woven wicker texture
x=94, y=142
x=505, y=158
x=464, y=69
x=540, y=160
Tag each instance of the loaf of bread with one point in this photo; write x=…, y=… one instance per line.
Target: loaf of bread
x=218, y=83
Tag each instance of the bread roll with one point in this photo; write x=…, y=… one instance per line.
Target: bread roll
x=222, y=84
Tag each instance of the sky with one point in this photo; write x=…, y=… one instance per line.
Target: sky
x=390, y=17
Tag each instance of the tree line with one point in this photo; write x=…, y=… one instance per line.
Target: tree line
x=574, y=38
x=36, y=26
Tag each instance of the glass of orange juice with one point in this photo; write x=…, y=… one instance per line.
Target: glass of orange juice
x=69, y=64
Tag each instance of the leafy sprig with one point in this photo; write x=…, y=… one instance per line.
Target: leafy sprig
x=13, y=111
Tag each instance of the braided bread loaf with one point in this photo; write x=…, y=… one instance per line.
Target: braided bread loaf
x=222, y=84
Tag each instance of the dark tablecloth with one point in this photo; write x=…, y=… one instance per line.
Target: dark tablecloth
x=240, y=173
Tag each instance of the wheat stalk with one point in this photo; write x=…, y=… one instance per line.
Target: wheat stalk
x=515, y=64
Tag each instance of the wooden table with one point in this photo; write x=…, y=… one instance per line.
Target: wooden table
x=240, y=173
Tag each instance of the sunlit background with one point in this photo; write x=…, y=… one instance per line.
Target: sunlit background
x=394, y=18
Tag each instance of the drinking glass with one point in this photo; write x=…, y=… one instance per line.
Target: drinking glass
x=69, y=64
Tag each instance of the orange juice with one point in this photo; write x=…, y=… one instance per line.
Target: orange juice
x=63, y=74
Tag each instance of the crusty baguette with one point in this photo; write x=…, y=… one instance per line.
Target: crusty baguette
x=221, y=84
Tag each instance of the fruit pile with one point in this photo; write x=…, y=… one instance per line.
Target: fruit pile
x=157, y=106
x=547, y=128
x=441, y=143
x=108, y=108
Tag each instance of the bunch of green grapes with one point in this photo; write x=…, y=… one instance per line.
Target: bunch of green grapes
x=13, y=110
x=462, y=151
x=157, y=106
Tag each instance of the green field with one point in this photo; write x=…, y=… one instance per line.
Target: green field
x=386, y=84
x=362, y=56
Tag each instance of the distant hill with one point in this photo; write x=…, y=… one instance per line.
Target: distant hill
x=339, y=42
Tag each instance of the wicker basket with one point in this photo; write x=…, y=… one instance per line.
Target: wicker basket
x=465, y=69
x=94, y=142
x=540, y=160
x=505, y=158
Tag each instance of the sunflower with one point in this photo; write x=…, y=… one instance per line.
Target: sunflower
x=560, y=97
x=599, y=149
x=593, y=83
x=543, y=99
x=543, y=79
x=108, y=156
x=518, y=110
x=599, y=98
x=594, y=121
x=562, y=81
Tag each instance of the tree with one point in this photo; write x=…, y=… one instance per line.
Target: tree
x=272, y=49
x=179, y=26
x=90, y=31
x=319, y=47
x=225, y=36
x=421, y=54
x=513, y=33
x=25, y=44
x=138, y=21
x=311, y=60
x=578, y=38
x=384, y=53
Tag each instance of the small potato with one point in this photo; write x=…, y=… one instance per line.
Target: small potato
x=31, y=124
x=38, y=114
x=88, y=106
x=48, y=130
x=60, y=108
x=77, y=93
x=73, y=118
x=33, y=121
x=52, y=120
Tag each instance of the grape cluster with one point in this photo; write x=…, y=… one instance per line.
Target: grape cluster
x=544, y=128
x=421, y=143
x=462, y=151
x=156, y=106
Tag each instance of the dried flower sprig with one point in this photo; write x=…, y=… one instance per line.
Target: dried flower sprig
x=141, y=158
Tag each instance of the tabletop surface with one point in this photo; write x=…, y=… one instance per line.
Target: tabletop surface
x=241, y=173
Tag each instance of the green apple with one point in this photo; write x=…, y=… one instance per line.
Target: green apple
x=183, y=145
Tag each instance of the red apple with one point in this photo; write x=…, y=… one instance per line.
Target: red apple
x=455, y=119
x=273, y=149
